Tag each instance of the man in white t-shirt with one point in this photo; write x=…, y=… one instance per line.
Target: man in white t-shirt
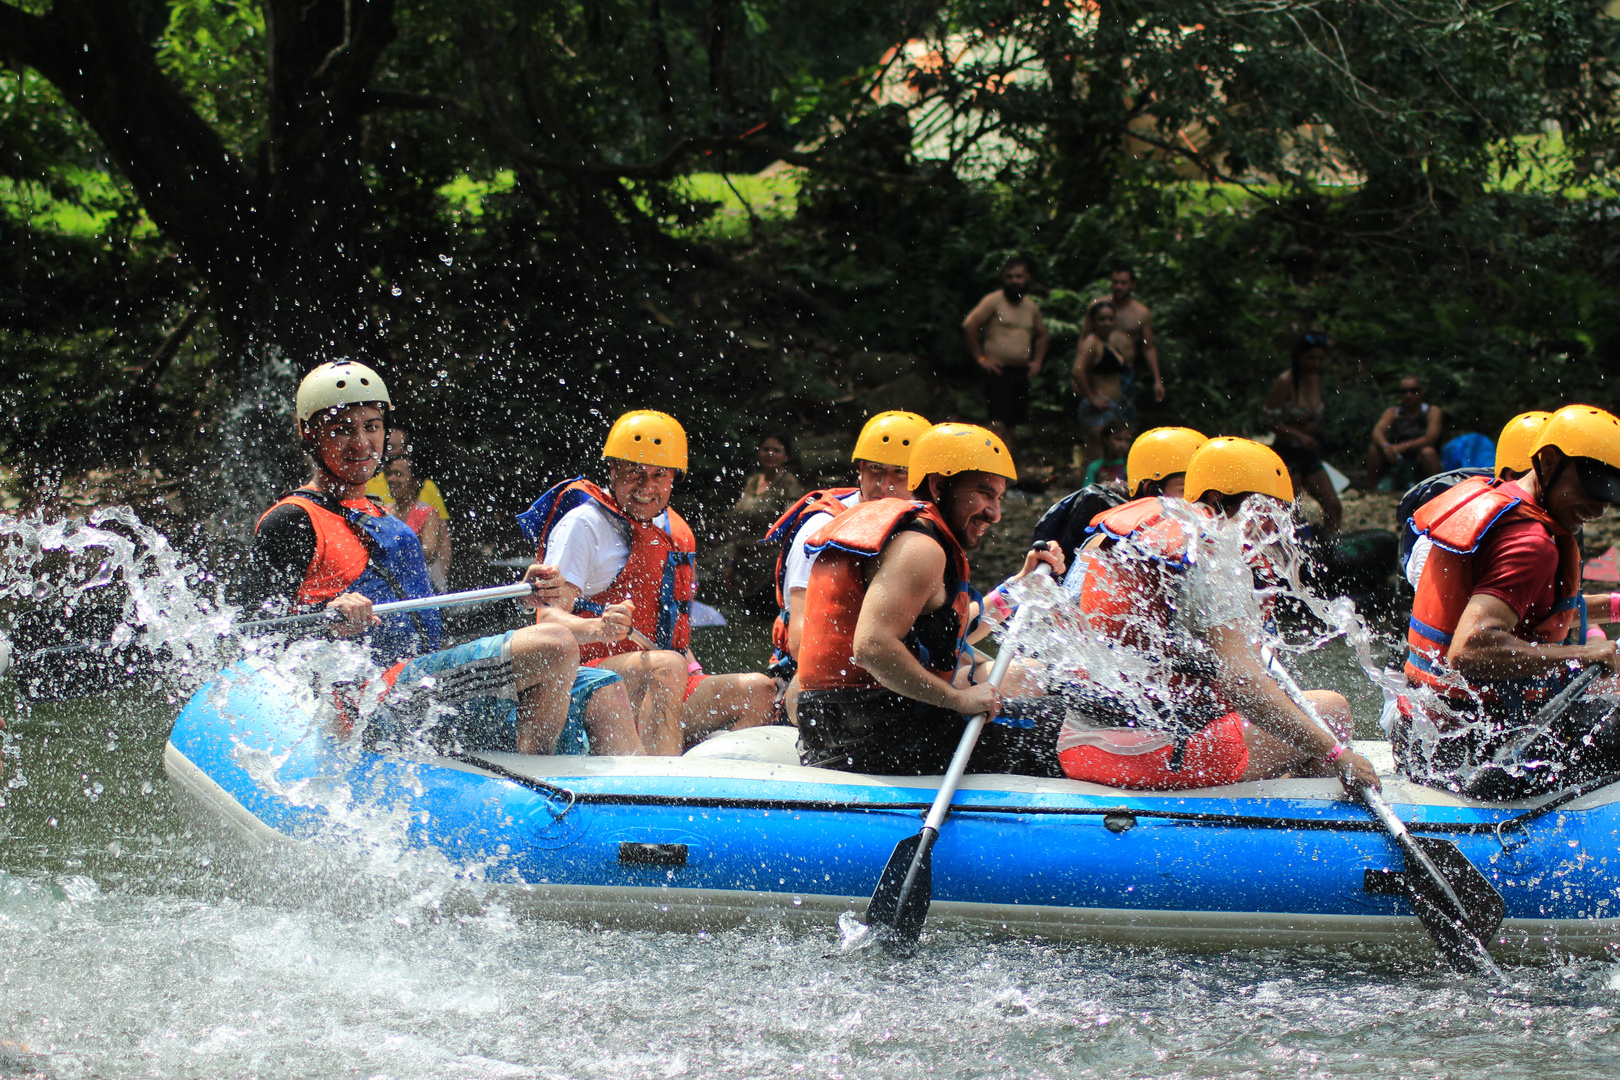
x=624, y=544
x=882, y=452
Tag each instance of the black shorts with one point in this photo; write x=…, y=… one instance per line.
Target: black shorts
x=1006, y=396
x=1300, y=461
x=883, y=733
x=1581, y=745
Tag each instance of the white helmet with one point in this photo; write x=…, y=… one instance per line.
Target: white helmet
x=334, y=385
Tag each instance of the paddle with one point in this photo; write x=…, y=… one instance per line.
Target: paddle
x=69, y=671
x=904, y=890
x=1543, y=720
x=1455, y=902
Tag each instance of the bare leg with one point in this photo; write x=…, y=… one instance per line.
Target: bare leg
x=1376, y=465
x=655, y=682
x=1428, y=463
x=1271, y=757
x=1321, y=488
x=544, y=660
x=611, y=722
x=735, y=701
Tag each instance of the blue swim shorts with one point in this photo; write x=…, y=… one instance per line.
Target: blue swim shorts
x=466, y=696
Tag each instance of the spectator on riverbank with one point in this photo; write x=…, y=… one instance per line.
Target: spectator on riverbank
x=1105, y=386
x=409, y=506
x=1294, y=411
x=399, y=442
x=750, y=566
x=1132, y=336
x=1013, y=346
x=1406, y=439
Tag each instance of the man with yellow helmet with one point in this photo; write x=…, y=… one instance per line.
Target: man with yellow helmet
x=1496, y=629
x=624, y=543
x=887, y=613
x=882, y=453
x=1513, y=448
x=1156, y=465
x=1220, y=718
x=327, y=544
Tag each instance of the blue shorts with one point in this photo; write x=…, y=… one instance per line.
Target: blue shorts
x=467, y=696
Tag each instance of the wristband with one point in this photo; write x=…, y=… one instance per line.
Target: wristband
x=1614, y=607
x=694, y=668
x=1335, y=754
x=998, y=605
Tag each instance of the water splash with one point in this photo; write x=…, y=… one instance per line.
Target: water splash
x=1222, y=571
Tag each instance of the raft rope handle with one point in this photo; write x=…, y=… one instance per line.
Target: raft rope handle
x=1561, y=799
x=554, y=791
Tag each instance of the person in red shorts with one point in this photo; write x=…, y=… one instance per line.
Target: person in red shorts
x=1496, y=627
x=1209, y=714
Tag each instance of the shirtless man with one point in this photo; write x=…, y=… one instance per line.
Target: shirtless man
x=1132, y=338
x=1013, y=346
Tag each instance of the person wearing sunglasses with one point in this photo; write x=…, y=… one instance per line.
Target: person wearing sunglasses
x=1406, y=437
x=1497, y=628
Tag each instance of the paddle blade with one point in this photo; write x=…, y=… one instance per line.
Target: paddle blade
x=1482, y=904
x=895, y=909
x=1459, y=917
x=73, y=671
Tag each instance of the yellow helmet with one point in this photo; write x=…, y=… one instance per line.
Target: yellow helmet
x=948, y=449
x=1160, y=453
x=1585, y=431
x=888, y=438
x=1513, y=445
x=336, y=384
x=647, y=437
x=1235, y=467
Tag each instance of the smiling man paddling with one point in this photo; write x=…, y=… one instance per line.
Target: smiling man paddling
x=626, y=542
x=888, y=611
x=329, y=544
x=1495, y=628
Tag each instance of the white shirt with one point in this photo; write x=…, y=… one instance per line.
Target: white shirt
x=590, y=546
x=1415, y=561
x=796, y=567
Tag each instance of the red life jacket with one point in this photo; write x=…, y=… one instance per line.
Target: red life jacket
x=825, y=501
x=659, y=577
x=1130, y=597
x=1458, y=521
x=387, y=564
x=838, y=589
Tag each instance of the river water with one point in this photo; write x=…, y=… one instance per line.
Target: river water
x=126, y=951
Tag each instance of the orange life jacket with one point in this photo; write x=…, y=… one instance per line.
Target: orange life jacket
x=825, y=501
x=362, y=549
x=1458, y=521
x=659, y=577
x=838, y=589
x=1131, y=597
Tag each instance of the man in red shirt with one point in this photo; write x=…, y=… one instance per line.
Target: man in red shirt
x=1496, y=628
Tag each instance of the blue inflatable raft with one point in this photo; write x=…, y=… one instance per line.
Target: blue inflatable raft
x=736, y=830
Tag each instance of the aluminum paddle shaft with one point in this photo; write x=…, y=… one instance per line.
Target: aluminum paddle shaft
x=904, y=890
x=1457, y=925
x=398, y=607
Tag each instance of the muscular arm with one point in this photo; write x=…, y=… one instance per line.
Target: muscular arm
x=795, y=619
x=1039, y=345
x=972, y=329
x=1150, y=353
x=1431, y=437
x=1380, y=432
x=909, y=572
x=1484, y=646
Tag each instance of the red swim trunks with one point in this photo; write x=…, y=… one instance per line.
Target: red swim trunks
x=1216, y=755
